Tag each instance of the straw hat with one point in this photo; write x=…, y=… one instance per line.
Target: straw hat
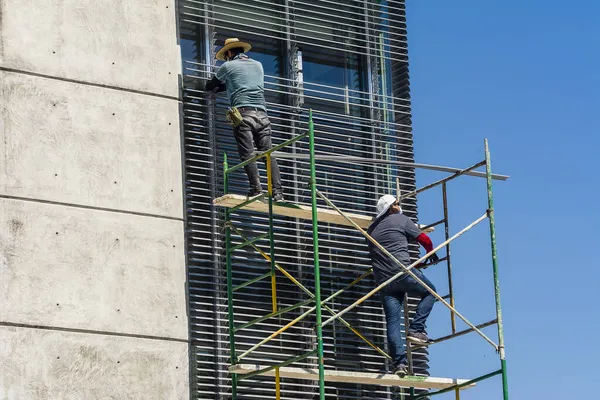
x=232, y=43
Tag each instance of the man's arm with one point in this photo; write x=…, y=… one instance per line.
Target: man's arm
x=425, y=241
x=217, y=83
x=414, y=232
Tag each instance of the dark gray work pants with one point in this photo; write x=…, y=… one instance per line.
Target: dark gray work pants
x=255, y=129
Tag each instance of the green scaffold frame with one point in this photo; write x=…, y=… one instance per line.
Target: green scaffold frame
x=317, y=304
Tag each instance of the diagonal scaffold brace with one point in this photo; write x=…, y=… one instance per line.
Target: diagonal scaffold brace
x=407, y=270
x=305, y=290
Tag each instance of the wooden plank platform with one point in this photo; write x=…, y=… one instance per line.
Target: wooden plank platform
x=297, y=211
x=419, y=382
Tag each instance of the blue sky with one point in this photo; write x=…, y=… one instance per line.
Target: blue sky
x=524, y=74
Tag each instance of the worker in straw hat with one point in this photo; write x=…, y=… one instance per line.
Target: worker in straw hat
x=243, y=78
x=393, y=230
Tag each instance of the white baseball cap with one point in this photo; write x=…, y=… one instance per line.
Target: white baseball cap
x=384, y=204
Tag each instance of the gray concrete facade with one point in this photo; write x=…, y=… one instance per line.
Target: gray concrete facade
x=93, y=301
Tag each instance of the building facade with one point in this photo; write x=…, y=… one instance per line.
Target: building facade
x=347, y=61
x=112, y=154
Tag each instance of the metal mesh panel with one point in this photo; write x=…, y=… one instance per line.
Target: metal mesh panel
x=341, y=59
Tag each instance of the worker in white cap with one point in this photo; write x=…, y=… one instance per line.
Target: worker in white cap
x=243, y=78
x=393, y=230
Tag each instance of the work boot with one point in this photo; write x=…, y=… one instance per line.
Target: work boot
x=401, y=370
x=252, y=193
x=278, y=197
x=418, y=338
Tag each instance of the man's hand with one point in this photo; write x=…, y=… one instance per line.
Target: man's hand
x=433, y=258
x=214, y=85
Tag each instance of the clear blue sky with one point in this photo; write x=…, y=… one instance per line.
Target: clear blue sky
x=526, y=75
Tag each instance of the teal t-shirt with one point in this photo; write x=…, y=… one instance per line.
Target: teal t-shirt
x=244, y=80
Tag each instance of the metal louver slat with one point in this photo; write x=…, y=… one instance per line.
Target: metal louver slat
x=347, y=60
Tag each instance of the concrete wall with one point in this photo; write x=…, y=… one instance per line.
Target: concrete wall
x=92, y=257
x=80, y=144
x=47, y=364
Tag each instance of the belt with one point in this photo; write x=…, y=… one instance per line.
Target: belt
x=250, y=109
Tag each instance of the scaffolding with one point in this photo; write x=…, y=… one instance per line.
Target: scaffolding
x=232, y=203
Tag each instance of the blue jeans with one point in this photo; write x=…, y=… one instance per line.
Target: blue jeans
x=392, y=297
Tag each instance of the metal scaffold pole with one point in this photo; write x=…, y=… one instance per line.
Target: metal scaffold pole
x=448, y=253
x=272, y=261
x=315, y=228
x=501, y=351
x=229, y=280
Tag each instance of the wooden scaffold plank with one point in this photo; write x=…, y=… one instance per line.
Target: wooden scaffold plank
x=419, y=382
x=297, y=211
